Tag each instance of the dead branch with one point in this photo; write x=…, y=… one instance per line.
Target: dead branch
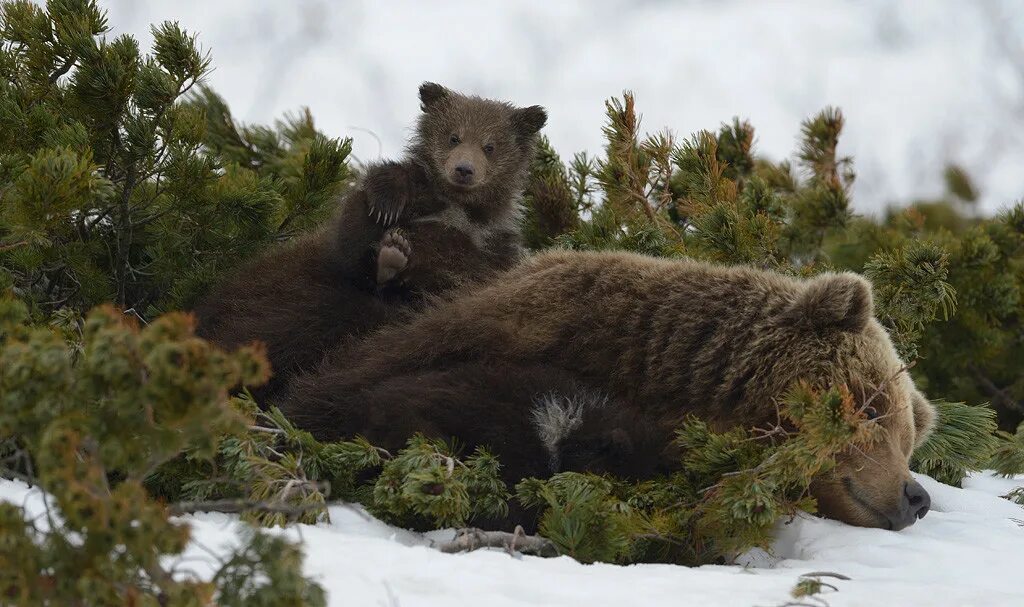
x=13, y=245
x=1000, y=396
x=234, y=506
x=833, y=574
x=470, y=539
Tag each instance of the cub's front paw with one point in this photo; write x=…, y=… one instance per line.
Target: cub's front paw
x=386, y=193
x=392, y=256
x=385, y=210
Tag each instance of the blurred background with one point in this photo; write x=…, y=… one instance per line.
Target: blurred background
x=922, y=84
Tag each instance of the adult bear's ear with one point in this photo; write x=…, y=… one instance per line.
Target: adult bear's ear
x=528, y=120
x=832, y=302
x=925, y=418
x=430, y=94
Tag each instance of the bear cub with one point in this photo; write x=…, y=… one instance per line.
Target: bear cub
x=446, y=215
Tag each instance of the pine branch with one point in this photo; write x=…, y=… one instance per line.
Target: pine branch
x=63, y=69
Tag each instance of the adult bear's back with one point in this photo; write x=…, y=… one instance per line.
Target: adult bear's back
x=647, y=328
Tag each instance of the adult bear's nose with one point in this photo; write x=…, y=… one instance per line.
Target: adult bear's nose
x=918, y=500
x=914, y=505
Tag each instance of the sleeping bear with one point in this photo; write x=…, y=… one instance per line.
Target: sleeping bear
x=574, y=361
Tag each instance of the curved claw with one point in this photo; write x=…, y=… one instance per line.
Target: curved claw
x=386, y=212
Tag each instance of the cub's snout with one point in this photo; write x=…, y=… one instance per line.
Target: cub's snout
x=463, y=173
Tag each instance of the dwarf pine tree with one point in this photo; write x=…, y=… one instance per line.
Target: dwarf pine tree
x=974, y=354
x=113, y=190
x=88, y=425
x=552, y=204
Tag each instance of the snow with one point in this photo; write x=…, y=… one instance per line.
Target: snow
x=921, y=83
x=968, y=551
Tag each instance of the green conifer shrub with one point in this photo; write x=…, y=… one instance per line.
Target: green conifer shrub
x=114, y=190
x=87, y=425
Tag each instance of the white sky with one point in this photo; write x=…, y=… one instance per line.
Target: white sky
x=921, y=83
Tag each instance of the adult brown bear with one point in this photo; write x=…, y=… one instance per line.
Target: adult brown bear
x=660, y=339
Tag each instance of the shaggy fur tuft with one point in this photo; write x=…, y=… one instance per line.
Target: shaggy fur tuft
x=556, y=416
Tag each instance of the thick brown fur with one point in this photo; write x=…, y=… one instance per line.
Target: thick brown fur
x=408, y=231
x=661, y=339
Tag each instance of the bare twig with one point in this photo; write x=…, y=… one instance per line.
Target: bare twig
x=882, y=388
x=998, y=395
x=267, y=430
x=13, y=245
x=134, y=313
x=838, y=576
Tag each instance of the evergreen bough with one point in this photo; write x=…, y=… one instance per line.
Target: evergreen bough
x=1008, y=456
x=963, y=441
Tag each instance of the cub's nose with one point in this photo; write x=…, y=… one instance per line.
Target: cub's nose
x=913, y=506
x=464, y=171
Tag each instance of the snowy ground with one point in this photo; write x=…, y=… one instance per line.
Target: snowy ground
x=922, y=83
x=968, y=551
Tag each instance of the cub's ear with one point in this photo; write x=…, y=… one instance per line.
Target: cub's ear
x=925, y=418
x=528, y=120
x=430, y=94
x=833, y=302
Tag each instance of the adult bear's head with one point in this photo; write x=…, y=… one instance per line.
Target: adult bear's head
x=840, y=342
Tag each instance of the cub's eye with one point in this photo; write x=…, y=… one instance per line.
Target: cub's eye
x=871, y=412
x=455, y=139
x=489, y=148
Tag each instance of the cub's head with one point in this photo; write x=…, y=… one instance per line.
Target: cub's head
x=871, y=485
x=473, y=144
